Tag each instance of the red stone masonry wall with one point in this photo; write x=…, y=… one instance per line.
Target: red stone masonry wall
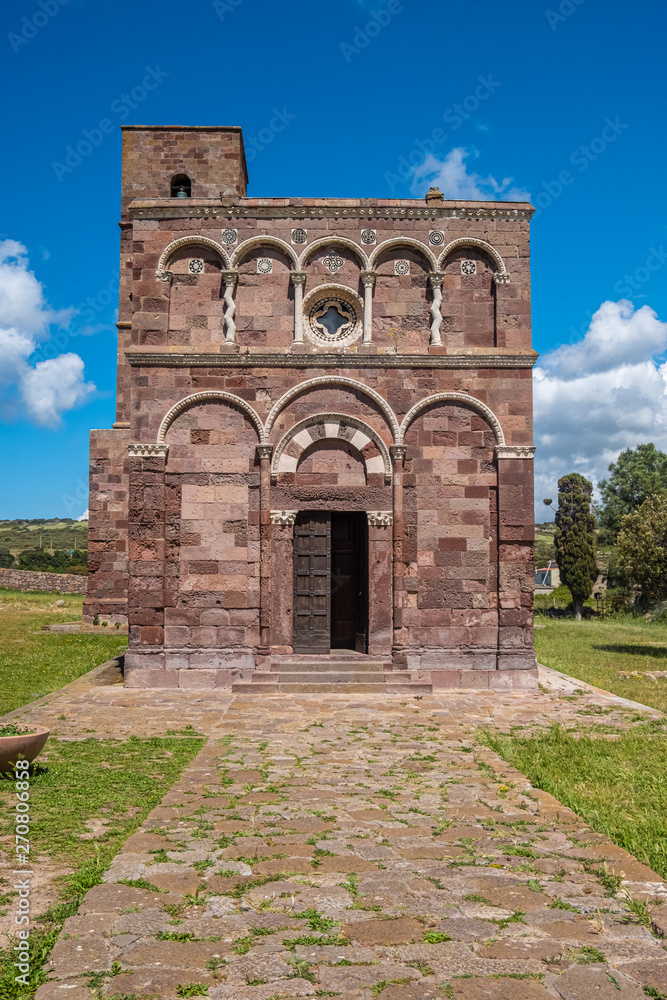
x=108, y=526
x=181, y=535
x=62, y=583
x=213, y=158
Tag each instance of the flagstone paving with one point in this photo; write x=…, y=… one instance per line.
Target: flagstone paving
x=359, y=848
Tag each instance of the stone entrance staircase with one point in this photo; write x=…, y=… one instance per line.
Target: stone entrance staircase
x=339, y=672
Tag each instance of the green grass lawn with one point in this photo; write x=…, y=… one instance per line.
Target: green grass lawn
x=112, y=781
x=34, y=663
x=617, y=785
x=594, y=651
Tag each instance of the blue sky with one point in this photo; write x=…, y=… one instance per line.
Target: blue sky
x=574, y=86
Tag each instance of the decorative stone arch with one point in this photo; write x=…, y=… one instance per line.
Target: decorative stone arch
x=333, y=241
x=256, y=242
x=214, y=396
x=334, y=425
x=452, y=397
x=325, y=381
x=202, y=241
x=501, y=276
x=403, y=242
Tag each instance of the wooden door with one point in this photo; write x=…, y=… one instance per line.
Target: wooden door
x=312, y=583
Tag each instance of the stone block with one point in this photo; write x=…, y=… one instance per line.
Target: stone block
x=137, y=677
x=475, y=679
x=197, y=679
x=222, y=659
x=176, y=661
x=145, y=661
x=516, y=661
x=444, y=679
x=584, y=982
x=502, y=680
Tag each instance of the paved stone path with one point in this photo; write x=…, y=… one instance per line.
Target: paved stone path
x=357, y=848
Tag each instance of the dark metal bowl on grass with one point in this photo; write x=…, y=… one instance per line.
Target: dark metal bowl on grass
x=23, y=747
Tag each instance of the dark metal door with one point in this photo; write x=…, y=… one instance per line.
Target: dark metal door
x=312, y=583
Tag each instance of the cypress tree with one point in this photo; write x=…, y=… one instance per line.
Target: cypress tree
x=575, y=538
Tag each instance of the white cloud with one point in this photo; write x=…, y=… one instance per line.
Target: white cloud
x=53, y=386
x=452, y=177
x=45, y=390
x=595, y=398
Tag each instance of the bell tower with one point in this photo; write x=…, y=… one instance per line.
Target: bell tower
x=161, y=162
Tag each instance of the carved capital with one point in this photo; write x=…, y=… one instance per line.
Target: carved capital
x=285, y=518
x=436, y=278
x=380, y=518
x=231, y=277
x=368, y=278
x=264, y=451
x=164, y=276
x=501, y=278
x=298, y=277
x=515, y=451
x=397, y=451
x=147, y=450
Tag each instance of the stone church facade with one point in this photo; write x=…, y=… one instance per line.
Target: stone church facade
x=323, y=439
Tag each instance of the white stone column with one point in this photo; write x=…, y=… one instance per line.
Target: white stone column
x=435, y=280
x=368, y=278
x=230, y=310
x=298, y=279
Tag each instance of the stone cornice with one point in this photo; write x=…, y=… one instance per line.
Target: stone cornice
x=522, y=451
x=175, y=209
x=172, y=359
x=147, y=450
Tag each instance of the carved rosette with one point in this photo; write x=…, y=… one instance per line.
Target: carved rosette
x=147, y=450
x=380, y=518
x=285, y=518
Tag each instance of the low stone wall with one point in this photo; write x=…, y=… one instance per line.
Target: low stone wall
x=64, y=583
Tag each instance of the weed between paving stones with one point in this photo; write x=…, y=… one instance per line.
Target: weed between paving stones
x=411, y=895
x=68, y=787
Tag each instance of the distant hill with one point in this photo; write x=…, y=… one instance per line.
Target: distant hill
x=544, y=543
x=51, y=533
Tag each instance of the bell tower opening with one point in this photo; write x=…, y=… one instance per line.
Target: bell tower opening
x=181, y=186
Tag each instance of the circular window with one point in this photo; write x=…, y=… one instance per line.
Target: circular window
x=333, y=316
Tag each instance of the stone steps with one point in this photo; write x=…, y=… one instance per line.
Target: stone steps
x=337, y=674
x=326, y=664
x=343, y=687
